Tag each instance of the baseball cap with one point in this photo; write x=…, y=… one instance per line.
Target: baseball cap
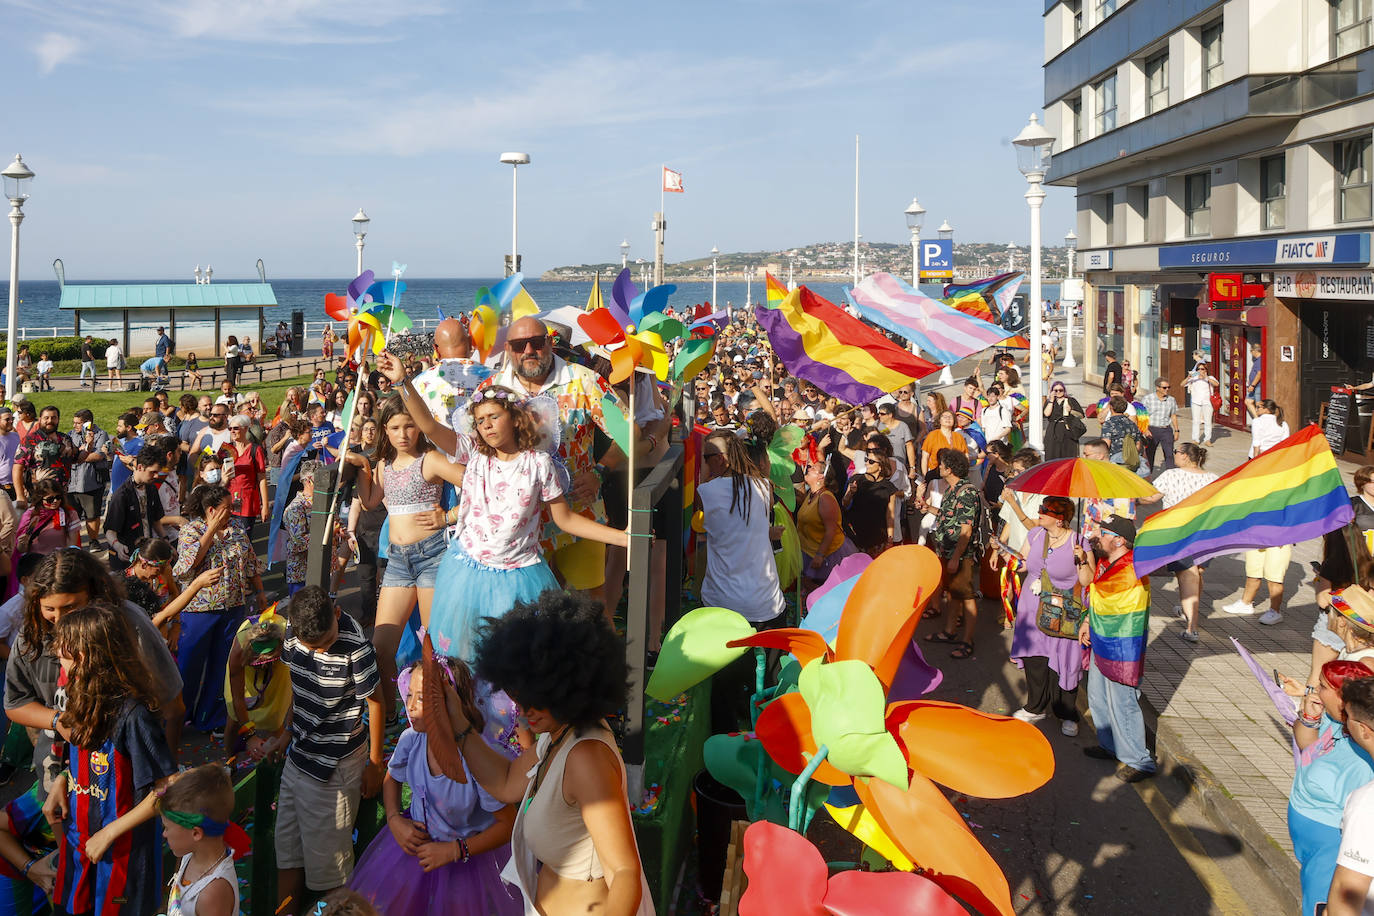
x=1120, y=524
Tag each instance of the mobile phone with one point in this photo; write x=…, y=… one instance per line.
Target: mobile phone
x=1278, y=681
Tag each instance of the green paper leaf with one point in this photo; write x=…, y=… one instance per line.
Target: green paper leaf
x=695, y=648
x=848, y=706
x=617, y=426
x=666, y=328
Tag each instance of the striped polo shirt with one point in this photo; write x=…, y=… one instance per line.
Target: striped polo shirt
x=331, y=688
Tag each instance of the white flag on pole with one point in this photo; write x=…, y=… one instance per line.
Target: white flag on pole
x=672, y=181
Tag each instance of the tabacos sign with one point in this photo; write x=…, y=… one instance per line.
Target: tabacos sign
x=1319, y=249
x=1223, y=288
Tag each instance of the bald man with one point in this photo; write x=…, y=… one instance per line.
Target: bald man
x=447, y=387
x=531, y=368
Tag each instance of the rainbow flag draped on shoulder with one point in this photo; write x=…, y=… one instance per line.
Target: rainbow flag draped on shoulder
x=1120, y=602
x=1290, y=493
x=822, y=343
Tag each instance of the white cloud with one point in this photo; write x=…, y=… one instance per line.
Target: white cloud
x=53, y=48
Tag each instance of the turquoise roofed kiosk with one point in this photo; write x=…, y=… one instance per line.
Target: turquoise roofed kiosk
x=198, y=316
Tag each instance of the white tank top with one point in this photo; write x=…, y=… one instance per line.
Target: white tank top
x=182, y=901
x=740, y=571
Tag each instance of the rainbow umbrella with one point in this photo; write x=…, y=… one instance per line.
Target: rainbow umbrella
x=1082, y=478
x=1137, y=409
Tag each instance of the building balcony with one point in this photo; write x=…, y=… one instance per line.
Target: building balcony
x=1234, y=108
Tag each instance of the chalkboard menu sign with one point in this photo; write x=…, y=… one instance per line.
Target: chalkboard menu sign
x=1337, y=420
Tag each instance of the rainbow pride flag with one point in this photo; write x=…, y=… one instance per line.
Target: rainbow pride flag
x=1120, y=615
x=1290, y=493
x=998, y=290
x=973, y=305
x=822, y=343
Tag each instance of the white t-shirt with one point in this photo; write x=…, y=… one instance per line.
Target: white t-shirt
x=1199, y=389
x=44, y=366
x=740, y=571
x=1267, y=432
x=12, y=617
x=499, y=515
x=1357, y=838
x=1177, y=484
x=112, y=355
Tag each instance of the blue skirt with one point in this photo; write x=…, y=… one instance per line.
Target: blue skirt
x=466, y=593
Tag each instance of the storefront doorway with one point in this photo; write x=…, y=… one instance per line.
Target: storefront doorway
x=1337, y=349
x=1111, y=323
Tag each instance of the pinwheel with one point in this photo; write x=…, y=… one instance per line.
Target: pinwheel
x=840, y=727
x=483, y=328
x=341, y=308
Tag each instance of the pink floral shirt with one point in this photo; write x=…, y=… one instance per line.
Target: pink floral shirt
x=499, y=516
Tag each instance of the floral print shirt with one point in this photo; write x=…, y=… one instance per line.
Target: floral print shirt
x=41, y=449
x=449, y=385
x=502, y=502
x=959, y=507
x=296, y=521
x=230, y=550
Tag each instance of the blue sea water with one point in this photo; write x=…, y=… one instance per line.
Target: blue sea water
x=423, y=298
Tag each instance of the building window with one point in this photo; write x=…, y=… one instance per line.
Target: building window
x=1156, y=83
x=1350, y=25
x=1106, y=104
x=1352, y=168
x=1076, y=116
x=1197, y=203
x=1075, y=8
x=1211, y=56
x=1273, y=192
x=1105, y=8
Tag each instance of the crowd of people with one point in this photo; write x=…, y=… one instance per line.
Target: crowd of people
x=488, y=503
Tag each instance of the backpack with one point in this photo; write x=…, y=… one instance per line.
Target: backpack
x=1130, y=454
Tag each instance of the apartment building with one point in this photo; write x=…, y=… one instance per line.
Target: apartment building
x=1210, y=139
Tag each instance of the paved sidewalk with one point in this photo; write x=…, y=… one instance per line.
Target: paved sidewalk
x=1215, y=727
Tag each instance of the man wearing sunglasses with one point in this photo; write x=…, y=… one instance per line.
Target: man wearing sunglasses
x=531, y=367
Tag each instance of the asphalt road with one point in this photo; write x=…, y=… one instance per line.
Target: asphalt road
x=1087, y=842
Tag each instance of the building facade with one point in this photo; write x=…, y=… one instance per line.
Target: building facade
x=1233, y=137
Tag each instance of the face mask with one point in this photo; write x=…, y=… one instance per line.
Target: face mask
x=212, y=476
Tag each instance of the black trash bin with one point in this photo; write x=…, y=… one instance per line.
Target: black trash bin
x=717, y=807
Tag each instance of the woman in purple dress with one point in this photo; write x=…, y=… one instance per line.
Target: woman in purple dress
x=1053, y=664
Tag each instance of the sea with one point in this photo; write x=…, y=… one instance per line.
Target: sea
x=428, y=299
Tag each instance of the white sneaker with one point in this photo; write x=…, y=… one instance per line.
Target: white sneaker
x=1026, y=715
x=1239, y=607
x=1270, y=617
x=1069, y=729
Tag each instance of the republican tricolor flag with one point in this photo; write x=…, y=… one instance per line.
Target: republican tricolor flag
x=672, y=181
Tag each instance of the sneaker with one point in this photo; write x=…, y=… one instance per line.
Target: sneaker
x=1069, y=728
x=1027, y=716
x=1098, y=752
x=1131, y=774
x=1191, y=636
x=1239, y=607
x=218, y=734
x=1270, y=617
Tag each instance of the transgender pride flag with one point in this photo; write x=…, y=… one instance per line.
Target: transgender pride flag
x=943, y=333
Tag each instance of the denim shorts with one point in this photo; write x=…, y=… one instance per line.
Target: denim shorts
x=414, y=565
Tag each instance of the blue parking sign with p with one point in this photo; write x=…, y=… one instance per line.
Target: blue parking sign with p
x=937, y=254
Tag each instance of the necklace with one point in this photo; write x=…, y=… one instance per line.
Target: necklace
x=548, y=756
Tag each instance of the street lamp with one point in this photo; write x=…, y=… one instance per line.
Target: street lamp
x=1071, y=243
x=1033, y=148
x=514, y=160
x=1011, y=256
x=714, y=252
x=360, y=222
x=624, y=253
x=643, y=273
x=748, y=286
x=946, y=230
x=915, y=219
x=17, y=177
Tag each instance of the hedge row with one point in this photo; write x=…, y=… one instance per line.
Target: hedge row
x=57, y=348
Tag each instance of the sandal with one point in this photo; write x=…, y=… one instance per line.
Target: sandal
x=931, y=613
x=942, y=636
x=962, y=650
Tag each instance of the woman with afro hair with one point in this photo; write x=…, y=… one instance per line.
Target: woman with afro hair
x=573, y=847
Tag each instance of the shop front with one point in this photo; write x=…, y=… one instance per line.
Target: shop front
x=1335, y=345
x=1179, y=331
x=1237, y=342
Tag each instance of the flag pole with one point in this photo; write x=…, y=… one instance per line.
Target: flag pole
x=630, y=483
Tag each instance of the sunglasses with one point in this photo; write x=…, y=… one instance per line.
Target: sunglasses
x=708, y=455
x=520, y=344
x=53, y=500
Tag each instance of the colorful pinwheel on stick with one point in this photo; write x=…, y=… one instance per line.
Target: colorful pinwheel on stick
x=841, y=728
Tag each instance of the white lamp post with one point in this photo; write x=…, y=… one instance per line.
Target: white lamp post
x=1033, y=146
x=1011, y=256
x=360, y=222
x=1071, y=243
x=714, y=253
x=915, y=219
x=946, y=230
x=624, y=253
x=514, y=160
x=643, y=274
x=790, y=284
x=17, y=177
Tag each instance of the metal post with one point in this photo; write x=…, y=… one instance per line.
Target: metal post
x=514, y=264
x=916, y=258
x=318, y=564
x=1035, y=196
x=16, y=217
x=360, y=256
x=856, y=209
x=1069, y=308
x=660, y=225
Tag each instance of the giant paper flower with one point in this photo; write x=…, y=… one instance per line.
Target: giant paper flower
x=891, y=754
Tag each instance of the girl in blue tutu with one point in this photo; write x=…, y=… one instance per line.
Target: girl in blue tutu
x=510, y=479
x=445, y=853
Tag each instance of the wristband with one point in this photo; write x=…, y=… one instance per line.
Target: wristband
x=1306, y=723
x=247, y=728
x=25, y=872
x=55, y=717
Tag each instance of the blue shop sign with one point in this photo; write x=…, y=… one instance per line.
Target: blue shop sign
x=1350, y=248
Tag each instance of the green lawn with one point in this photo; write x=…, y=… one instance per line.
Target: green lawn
x=107, y=405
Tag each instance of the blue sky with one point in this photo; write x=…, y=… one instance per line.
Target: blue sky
x=167, y=133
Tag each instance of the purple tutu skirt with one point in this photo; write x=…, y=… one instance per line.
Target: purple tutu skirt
x=397, y=886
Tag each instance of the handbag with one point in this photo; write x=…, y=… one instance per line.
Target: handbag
x=1061, y=610
x=1216, y=401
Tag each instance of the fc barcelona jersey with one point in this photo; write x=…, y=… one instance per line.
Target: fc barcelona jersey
x=102, y=784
